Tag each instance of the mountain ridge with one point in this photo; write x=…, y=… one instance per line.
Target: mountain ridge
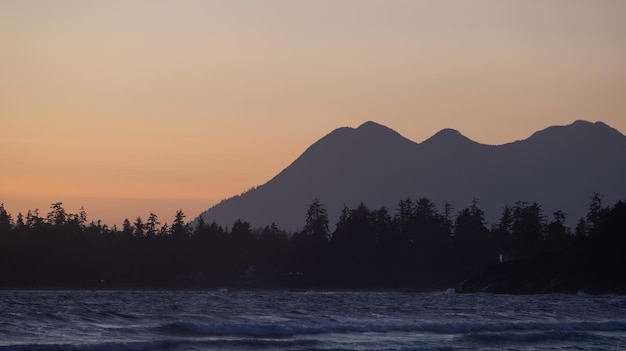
x=376, y=165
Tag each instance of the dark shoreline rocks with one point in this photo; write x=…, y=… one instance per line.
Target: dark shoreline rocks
x=537, y=276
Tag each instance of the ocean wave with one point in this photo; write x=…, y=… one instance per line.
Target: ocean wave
x=531, y=336
x=105, y=346
x=277, y=330
x=240, y=329
x=167, y=344
x=470, y=327
x=279, y=320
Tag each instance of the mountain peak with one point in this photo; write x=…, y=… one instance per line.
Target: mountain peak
x=580, y=130
x=370, y=128
x=371, y=125
x=448, y=132
x=448, y=136
x=596, y=126
x=582, y=122
x=367, y=133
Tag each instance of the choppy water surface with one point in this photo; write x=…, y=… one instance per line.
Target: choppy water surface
x=283, y=320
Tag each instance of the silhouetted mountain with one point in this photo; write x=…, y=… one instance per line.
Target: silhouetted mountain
x=448, y=138
x=559, y=167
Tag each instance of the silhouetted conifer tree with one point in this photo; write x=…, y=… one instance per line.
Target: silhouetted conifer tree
x=405, y=218
x=317, y=222
x=19, y=223
x=527, y=228
x=557, y=234
x=127, y=228
x=139, y=227
x=596, y=211
x=57, y=215
x=152, y=225
x=470, y=226
x=179, y=227
x=354, y=241
x=6, y=222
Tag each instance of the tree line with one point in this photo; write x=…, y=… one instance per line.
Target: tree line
x=416, y=245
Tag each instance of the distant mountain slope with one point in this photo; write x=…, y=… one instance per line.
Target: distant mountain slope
x=559, y=167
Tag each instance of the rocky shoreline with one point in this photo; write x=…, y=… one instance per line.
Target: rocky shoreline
x=545, y=275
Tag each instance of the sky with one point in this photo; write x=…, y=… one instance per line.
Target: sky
x=132, y=107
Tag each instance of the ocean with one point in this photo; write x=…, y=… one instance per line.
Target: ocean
x=307, y=320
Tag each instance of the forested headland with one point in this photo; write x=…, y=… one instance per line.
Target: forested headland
x=414, y=246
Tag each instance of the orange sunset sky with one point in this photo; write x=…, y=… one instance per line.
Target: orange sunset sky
x=127, y=107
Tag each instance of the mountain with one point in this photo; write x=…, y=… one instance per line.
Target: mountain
x=559, y=167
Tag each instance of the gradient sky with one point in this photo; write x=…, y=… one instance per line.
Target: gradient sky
x=126, y=107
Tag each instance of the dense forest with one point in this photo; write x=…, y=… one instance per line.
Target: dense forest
x=418, y=246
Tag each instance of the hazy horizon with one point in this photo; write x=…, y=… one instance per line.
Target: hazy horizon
x=126, y=108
